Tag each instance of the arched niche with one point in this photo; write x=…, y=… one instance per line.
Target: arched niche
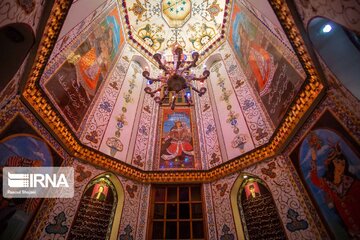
x=16, y=40
x=213, y=59
x=99, y=211
x=141, y=61
x=339, y=48
x=252, y=201
x=21, y=150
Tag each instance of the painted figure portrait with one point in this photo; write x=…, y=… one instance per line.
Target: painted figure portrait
x=99, y=192
x=331, y=169
x=269, y=72
x=177, y=149
x=252, y=191
x=75, y=84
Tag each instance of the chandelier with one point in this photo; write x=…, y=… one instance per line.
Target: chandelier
x=176, y=78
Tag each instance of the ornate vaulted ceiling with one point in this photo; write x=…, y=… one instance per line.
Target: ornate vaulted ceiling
x=111, y=106
x=155, y=26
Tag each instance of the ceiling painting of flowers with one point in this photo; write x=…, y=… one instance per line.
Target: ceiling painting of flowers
x=195, y=25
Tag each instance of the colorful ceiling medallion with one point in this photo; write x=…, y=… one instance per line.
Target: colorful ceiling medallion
x=176, y=12
x=153, y=27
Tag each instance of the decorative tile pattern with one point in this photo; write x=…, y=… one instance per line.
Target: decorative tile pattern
x=117, y=136
x=210, y=212
x=222, y=205
x=231, y=117
x=104, y=106
x=143, y=134
x=208, y=136
x=142, y=222
x=259, y=125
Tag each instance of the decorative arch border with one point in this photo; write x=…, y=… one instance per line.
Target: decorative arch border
x=119, y=205
x=234, y=202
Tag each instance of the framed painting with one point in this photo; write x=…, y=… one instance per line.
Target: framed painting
x=178, y=139
x=273, y=77
x=74, y=85
x=328, y=161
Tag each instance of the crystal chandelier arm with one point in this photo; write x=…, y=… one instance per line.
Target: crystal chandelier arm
x=206, y=74
x=178, y=52
x=200, y=92
x=152, y=93
x=146, y=75
x=157, y=57
x=195, y=56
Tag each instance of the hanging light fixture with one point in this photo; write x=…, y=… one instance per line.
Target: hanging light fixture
x=176, y=78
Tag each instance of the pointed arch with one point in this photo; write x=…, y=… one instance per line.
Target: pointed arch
x=213, y=59
x=100, y=205
x=141, y=61
x=248, y=191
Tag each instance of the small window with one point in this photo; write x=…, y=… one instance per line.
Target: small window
x=177, y=213
x=339, y=48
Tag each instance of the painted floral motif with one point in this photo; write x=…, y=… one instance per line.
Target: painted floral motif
x=81, y=173
x=201, y=35
x=131, y=190
x=214, y=9
x=27, y=5
x=214, y=158
x=114, y=143
x=239, y=140
x=57, y=227
x=227, y=235
x=127, y=235
x=222, y=188
x=105, y=106
x=269, y=171
x=295, y=224
x=138, y=9
x=151, y=36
